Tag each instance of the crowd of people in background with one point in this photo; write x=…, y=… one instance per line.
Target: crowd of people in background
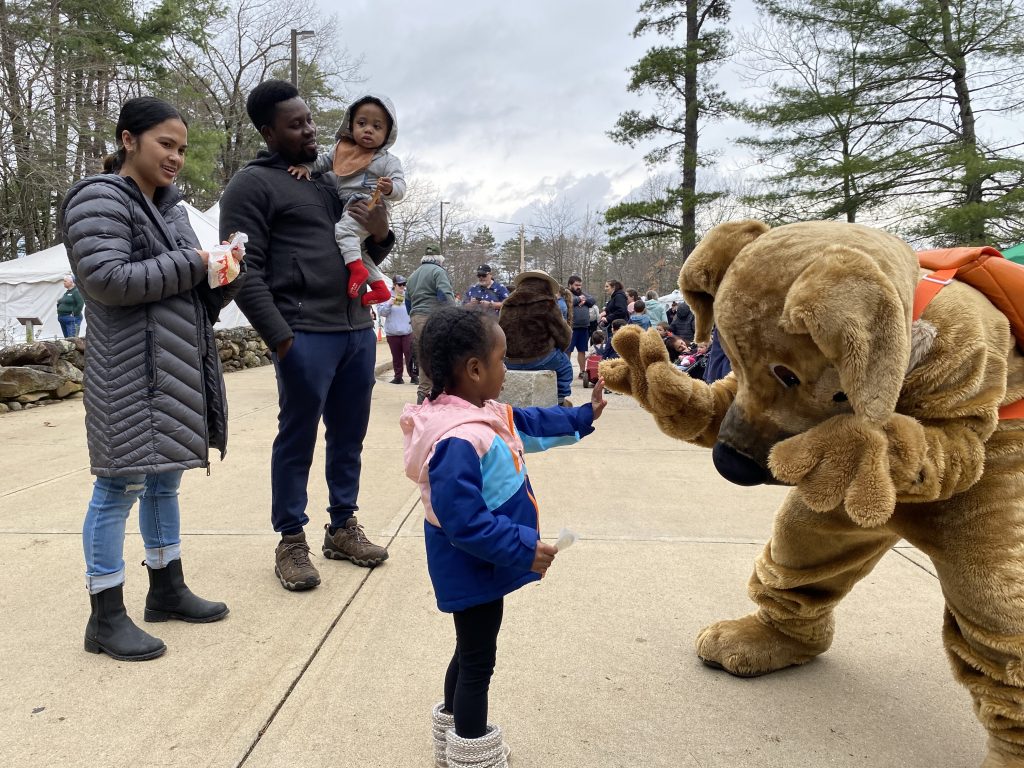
x=546, y=323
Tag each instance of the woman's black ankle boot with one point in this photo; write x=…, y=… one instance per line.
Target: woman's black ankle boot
x=110, y=631
x=170, y=598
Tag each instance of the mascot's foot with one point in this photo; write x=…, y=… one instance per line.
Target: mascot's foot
x=1002, y=760
x=748, y=647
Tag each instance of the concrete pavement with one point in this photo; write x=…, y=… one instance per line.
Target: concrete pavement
x=595, y=665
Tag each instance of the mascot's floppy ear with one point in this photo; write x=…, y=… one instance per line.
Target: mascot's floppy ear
x=854, y=315
x=705, y=267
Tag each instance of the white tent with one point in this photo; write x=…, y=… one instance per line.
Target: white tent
x=31, y=286
x=676, y=295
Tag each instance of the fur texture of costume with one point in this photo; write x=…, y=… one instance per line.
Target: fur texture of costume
x=886, y=428
x=531, y=321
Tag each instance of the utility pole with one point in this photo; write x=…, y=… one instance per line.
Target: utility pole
x=440, y=230
x=296, y=34
x=522, y=249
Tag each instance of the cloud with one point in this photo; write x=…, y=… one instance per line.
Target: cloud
x=504, y=103
x=508, y=105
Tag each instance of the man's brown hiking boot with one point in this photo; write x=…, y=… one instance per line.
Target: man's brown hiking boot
x=291, y=563
x=350, y=543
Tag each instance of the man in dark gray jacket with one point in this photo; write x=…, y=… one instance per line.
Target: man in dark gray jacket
x=322, y=342
x=580, y=321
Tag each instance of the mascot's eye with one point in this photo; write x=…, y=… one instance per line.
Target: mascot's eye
x=839, y=397
x=786, y=376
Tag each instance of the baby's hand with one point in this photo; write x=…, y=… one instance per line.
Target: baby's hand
x=543, y=557
x=384, y=185
x=597, y=401
x=299, y=171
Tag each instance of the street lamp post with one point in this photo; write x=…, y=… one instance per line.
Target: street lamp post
x=440, y=231
x=296, y=34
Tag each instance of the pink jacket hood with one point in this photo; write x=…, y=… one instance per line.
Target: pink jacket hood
x=423, y=426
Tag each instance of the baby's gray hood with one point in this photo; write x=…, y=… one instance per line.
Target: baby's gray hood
x=346, y=131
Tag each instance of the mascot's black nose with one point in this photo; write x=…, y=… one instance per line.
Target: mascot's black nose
x=737, y=468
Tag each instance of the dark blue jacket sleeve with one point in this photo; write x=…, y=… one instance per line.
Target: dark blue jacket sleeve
x=543, y=428
x=458, y=502
x=718, y=365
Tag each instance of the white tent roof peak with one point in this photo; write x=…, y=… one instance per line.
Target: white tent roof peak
x=30, y=286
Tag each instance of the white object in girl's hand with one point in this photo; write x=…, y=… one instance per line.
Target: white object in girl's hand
x=223, y=266
x=566, y=539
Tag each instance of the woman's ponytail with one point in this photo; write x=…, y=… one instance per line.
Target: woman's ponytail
x=112, y=163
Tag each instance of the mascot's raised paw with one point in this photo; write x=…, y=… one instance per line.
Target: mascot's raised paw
x=749, y=647
x=682, y=406
x=628, y=373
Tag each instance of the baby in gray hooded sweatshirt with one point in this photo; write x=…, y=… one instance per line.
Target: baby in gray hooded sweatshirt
x=365, y=170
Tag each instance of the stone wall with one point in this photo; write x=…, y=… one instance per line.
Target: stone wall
x=47, y=372
x=241, y=348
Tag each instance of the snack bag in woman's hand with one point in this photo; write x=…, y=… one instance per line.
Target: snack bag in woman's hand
x=224, y=261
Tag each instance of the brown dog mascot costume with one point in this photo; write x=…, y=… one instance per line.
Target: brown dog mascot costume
x=888, y=429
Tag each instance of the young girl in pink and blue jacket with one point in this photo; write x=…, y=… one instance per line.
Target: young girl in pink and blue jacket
x=465, y=451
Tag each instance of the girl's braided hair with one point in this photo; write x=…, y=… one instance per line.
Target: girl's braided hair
x=451, y=336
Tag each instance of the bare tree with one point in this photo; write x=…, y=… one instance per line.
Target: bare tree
x=251, y=43
x=65, y=68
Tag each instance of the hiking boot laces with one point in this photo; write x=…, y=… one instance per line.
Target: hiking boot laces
x=358, y=535
x=299, y=554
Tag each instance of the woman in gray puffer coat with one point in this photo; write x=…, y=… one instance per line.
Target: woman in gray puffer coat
x=154, y=394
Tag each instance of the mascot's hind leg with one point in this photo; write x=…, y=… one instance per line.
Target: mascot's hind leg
x=976, y=541
x=812, y=561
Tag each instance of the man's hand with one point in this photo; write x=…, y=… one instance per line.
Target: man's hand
x=543, y=557
x=283, y=347
x=597, y=401
x=373, y=220
x=205, y=256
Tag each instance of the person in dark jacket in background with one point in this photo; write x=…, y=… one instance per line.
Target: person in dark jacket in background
x=682, y=324
x=581, y=302
x=322, y=342
x=69, y=308
x=154, y=395
x=617, y=306
x=718, y=365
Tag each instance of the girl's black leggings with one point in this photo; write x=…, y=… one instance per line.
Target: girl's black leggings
x=471, y=667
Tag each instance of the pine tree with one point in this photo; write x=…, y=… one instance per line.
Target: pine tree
x=880, y=113
x=680, y=76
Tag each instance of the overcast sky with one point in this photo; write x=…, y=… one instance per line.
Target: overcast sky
x=504, y=103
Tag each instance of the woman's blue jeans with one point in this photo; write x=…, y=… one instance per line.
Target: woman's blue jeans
x=558, y=362
x=103, y=531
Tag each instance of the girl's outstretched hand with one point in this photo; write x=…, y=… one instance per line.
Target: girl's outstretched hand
x=597, y=400
x=543, y=557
